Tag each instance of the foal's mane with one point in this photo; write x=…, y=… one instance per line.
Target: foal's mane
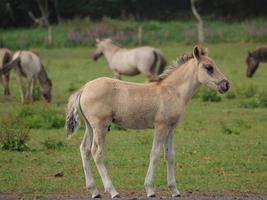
x=179, y=62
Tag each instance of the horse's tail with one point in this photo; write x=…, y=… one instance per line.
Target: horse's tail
x=72, y=121
x=162, y=61
x=8, y=66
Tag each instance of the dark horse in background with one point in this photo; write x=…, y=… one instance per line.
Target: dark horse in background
x=253, y=60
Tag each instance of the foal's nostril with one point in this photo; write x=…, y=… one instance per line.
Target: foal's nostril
x=224, y=85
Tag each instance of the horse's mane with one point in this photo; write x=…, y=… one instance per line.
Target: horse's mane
x=179, y=62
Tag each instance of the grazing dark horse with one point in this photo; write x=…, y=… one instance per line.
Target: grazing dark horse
x=5, y=57
x=254, y=58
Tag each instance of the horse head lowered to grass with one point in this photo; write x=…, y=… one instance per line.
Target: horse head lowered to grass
x=157, y=105
x=254, y=59
x=28, y=64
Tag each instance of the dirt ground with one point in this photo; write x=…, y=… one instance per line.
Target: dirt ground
x=138, y=195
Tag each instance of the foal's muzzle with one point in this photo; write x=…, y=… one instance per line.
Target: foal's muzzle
x=223, y=86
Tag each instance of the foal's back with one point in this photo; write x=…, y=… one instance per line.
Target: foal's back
x=121, y=102
x=29, y=62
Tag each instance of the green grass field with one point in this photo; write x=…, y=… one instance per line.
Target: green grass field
x=220, y=146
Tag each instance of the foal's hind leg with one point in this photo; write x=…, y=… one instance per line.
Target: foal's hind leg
x=169, y=155
x=85, y=149
x=97, y=151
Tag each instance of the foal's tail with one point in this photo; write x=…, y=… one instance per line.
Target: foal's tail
x=162, y=61
x=72, y=116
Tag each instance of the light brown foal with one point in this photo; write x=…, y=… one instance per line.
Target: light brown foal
x=157, y=105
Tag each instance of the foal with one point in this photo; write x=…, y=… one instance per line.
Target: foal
x=130, y=62
x=28, y=64
x=5, y=57
x=254, y=59
x=157, y=105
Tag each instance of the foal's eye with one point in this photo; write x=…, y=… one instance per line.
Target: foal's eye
x=209, y=69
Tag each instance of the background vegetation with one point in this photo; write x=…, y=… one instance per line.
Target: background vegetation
x=221, y=141
x=78, y=32
x=220, y=144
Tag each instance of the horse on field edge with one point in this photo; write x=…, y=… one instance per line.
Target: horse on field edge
x=130, y=62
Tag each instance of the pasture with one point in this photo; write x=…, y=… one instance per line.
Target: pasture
x=220, y=145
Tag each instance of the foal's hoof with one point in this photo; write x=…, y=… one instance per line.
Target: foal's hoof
x=151, y=196
x=97, y=196
x=116, y=196
x=176, y=195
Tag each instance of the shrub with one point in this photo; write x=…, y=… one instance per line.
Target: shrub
x=72, y=87
x=226, y=129
x=230, y=95
x=52, y=144
x=257, y=101
x=210, y=95
x=41, y=117
x=250, y=91
x=14, y=135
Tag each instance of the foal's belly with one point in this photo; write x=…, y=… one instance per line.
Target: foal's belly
x=134, y=121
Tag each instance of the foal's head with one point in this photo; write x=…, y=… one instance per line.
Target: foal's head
x=252, y=64
x=208, y=72
x=101, y=46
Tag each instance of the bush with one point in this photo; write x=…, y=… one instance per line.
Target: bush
x=226, y=129
x=41, y=117
x=250, y=91
x=52, y=144
x=82, y=32
x=14, y=135
x=210, y=95
x=230, y=95
x=256, y=102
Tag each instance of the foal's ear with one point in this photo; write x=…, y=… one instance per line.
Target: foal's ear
x=197, y=52
x=249, y=53
x=97, y=40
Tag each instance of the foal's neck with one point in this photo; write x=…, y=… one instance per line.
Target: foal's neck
x=183, y=80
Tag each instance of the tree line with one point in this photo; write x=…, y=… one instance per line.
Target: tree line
x=18, y=13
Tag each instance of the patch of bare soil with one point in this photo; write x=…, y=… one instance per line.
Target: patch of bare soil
x=137, y=195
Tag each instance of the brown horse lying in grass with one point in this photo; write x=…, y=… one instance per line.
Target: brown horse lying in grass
x=157, y=105
x=5, y=57
x=130, y=62
x=28, y=64
x=254, y=58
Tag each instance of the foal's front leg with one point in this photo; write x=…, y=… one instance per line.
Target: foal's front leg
x=169, y=156
x=159, y=139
